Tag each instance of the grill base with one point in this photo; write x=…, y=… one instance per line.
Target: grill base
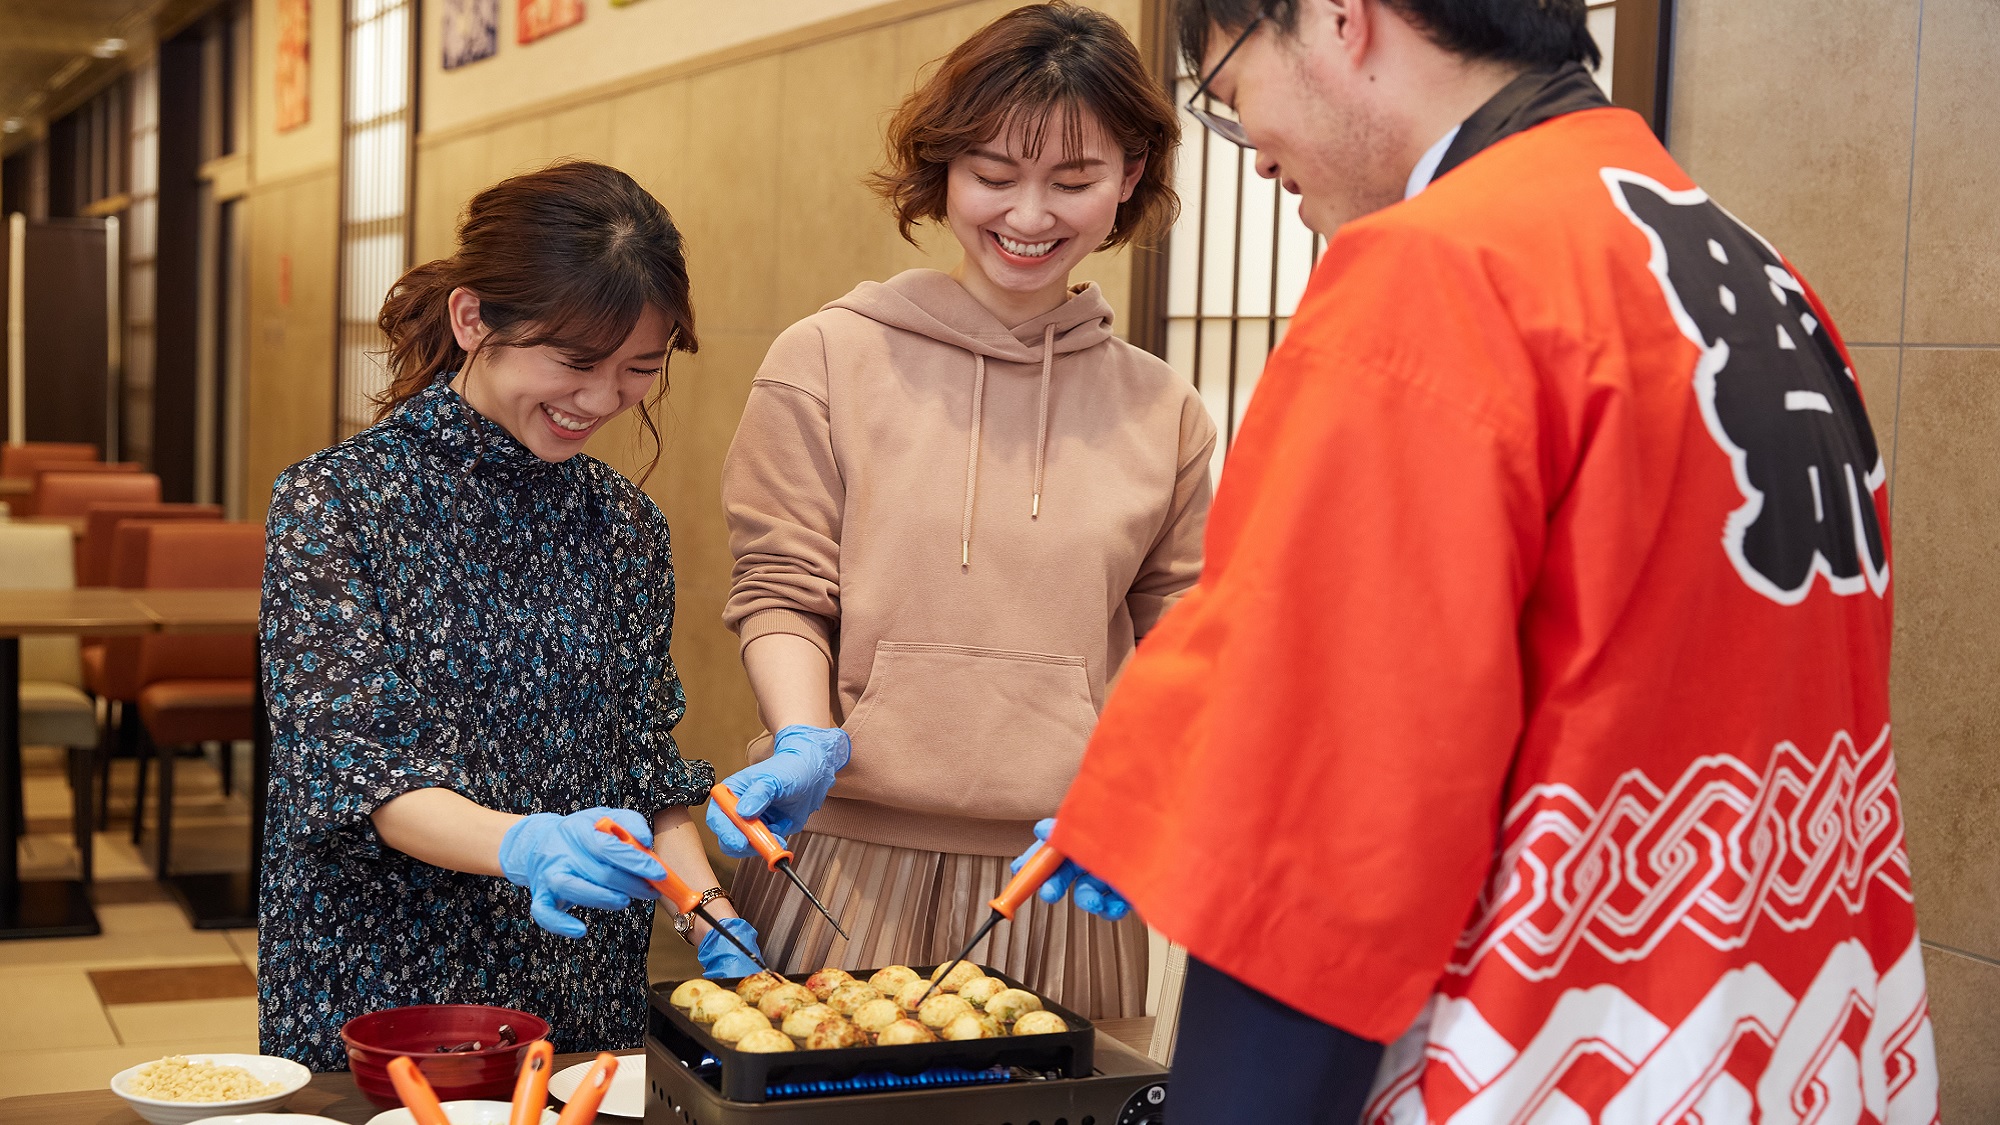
x=1126, y=1088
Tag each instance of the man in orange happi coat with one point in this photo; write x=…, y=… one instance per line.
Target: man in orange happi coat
x=1524, y=752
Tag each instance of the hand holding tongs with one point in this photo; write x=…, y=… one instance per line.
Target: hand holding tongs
x=767, y=844
x=683, y=897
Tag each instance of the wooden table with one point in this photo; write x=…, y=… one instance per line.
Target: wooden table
x=60, y=907
x=16, y=486
x=46, y=907
x=334, y=1095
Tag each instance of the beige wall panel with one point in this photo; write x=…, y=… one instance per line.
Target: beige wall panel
x=1947, y=655
x=1955, y=212
x=649, y=136
x=1965, y=1018
x=610, y=44
x=315, y=144
x=1800, y=125
x=288, y=388
x=733, y=200
x=583, y=132
x=1878, y=369
x=835, y=102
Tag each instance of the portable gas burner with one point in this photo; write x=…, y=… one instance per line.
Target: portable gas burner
x=685, y=1081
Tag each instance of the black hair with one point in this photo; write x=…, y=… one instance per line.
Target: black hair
x=1535, y=34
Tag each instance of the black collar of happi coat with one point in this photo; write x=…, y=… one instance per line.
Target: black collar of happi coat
x=1531, y=98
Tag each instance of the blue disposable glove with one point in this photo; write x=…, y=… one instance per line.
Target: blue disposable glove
x=785, y=788
x=721, y=959
x=565, y=861
x=1091, y=893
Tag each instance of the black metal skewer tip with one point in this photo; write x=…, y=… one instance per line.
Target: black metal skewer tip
x=786, y=867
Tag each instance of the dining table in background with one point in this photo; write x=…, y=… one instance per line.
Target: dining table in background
x=61, y=907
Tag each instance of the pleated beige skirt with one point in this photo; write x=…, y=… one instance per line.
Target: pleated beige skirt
x=905, y=907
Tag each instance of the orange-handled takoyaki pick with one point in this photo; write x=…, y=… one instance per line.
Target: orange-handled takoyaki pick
x=683, y=897
x=776, y=855
x=581, y=1109
x=531, y=1090
x=1040, y=867
x=416, y=1092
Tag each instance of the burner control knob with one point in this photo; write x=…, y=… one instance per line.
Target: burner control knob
x=1147, y=1106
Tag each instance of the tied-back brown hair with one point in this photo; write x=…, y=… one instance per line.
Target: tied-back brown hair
x=1030, y=67
x=567, y=257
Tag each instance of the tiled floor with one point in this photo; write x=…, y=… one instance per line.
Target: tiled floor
x=60, y=1029
x=161, y=985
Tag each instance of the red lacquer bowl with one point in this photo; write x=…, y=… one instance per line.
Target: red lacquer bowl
x=420, y=1029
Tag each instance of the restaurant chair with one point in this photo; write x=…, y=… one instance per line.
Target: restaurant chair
x=195, y=688
x=73, y=494
x=30, y=505
x=22, y=460
x=118, y=732
x=54, y=709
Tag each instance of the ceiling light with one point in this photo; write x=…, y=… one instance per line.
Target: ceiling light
x=108, y=48
x=11, y=125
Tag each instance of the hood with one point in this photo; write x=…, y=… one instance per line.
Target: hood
x=932, y=304
x=929, y=303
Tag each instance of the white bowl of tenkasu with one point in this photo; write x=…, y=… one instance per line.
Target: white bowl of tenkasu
x=181, y=1089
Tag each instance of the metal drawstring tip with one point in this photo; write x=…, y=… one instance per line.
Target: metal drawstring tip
x=965, y=552
x=1035, y=512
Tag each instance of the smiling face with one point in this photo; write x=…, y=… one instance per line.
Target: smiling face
x=548, y=400
x=1314, y=113
x=1025, y=221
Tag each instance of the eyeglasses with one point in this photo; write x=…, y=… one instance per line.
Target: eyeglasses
x=1228, y=128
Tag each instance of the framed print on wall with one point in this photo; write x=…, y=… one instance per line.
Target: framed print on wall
x=471, y=31
x=536, y=18
x=294, y=70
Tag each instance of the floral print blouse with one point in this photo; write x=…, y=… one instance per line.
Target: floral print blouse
x=443, y=608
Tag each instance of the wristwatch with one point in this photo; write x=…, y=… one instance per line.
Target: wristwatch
x=684, y=923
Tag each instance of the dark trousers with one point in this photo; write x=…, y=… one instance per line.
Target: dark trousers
x=1242, y=1058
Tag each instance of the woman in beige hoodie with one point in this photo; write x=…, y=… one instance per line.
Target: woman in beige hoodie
x=955, y=502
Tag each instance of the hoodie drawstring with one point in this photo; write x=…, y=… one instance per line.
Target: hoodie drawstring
x=1042, y=418
x=972, y=444
x=972, y=459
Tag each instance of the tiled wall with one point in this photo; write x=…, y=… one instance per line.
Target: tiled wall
x=1861, y=139
x=759, y=154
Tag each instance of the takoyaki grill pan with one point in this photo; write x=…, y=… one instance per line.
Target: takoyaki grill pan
x=1123, y=1087
x=749, y=1076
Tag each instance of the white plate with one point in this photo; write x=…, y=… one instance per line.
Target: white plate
x=265, y=1068
x=625, y=1098
x=268, y=1119
x=461, y=1113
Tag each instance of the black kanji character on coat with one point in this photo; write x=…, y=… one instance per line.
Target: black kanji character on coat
x=1776, y=396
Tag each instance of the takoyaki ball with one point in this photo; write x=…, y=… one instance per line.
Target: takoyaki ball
x=1012, y=1004
x=800, y=1023
x=978, y=992
x=963, y=973
x=766, y=1040
x=877, y=1014
x=834, y=1032
x=892, y=979
x=972, y=1025
x=850, y=996
x=688, y=991
x=904, y=1032
x=732, y=1026
x=714, y=1005
x=1039, y=1023
x=825, y=981
x=912, y=994
x=940, y=1010
x=785, y=999
x=753, y=988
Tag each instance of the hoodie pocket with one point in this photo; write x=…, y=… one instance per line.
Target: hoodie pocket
x=974, y=732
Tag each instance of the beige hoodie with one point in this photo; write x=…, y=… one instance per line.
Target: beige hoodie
x=974, y=524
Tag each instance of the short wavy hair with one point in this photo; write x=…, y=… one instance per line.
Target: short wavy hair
x=1035, y=66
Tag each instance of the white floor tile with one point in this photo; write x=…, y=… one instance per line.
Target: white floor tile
x=178, y=1021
